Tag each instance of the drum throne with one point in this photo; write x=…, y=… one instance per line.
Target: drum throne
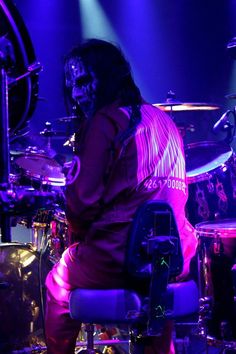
x=154, y=259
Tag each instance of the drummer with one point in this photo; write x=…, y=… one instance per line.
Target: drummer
x=127, y=152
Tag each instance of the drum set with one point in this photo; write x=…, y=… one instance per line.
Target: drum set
x=211, y=208
x=32, y=199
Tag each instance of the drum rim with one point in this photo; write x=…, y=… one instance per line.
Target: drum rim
x=201, y=228
x=27, y=245
x=207, y=174
x=52, y=181
x=49, y=180
x=35, y=154
x=207, y=143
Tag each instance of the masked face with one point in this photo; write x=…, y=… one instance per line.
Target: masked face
x=83, y=84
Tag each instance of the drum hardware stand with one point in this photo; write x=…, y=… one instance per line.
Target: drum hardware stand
x=171, y=99
x=205, y=306
x=12, y=201
x=205, y=311
x=228, y=128
x=205, y=303
x=6, y=60
x=223, y=124
x=48, y=133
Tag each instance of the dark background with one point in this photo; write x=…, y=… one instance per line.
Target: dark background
x=172, y=45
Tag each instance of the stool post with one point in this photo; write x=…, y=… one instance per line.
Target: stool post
x=137, y=341
x=89, y=329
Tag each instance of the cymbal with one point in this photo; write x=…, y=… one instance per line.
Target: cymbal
x=176, y=106
x=231, y=96
x=16, y=152
x=231, y=47
x=53, y=134
x=66, y=119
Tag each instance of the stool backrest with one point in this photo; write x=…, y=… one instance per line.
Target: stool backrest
x=154, y=255
x=152, y=219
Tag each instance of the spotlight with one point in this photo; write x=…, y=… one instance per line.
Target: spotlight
x=231, y=47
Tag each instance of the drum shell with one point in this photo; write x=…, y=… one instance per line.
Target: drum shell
x=58, y=235
x=212, y=186
x=23, y=272
x=217, y=254
x=212, y=199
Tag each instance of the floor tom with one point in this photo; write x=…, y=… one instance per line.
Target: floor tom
x=217, y=255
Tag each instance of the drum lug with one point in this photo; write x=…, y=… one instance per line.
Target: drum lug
x=205, y=313
x=225, y=330
x=210, y=185
x=217, y=246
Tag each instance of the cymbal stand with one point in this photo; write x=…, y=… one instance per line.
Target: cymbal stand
x=4, y=151
x=170, y=98
x=229, y=128
x=234, y=126
x=48, y=134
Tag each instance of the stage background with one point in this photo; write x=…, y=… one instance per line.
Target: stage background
x=172, y=45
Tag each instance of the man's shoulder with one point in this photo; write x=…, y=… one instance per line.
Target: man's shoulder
x=109, y=109
x=114, y=113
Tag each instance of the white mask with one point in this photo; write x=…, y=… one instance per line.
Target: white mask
x=83, y=84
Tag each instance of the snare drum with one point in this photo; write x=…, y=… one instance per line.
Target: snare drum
x=41, y=169
x=217, y=254
x=211, y=181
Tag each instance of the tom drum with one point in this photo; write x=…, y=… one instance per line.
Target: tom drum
x=211, y=177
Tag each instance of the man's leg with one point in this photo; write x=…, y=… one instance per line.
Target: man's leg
x=61, y=330
x=163, y=344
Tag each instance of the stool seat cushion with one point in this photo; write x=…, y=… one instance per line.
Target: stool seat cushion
x=185, y=299
x=125, y=306
x=104, y=306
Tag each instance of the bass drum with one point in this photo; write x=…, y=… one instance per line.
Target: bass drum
x=211, y=177
x=22, y=296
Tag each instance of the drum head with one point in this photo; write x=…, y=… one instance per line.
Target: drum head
x=41, y=168
x=23, y=95
x=222, y=228
x=203, y=157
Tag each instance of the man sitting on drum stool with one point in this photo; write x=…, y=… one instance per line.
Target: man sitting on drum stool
x=127, y=152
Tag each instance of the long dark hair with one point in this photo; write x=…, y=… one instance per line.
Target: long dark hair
x=115, y=80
